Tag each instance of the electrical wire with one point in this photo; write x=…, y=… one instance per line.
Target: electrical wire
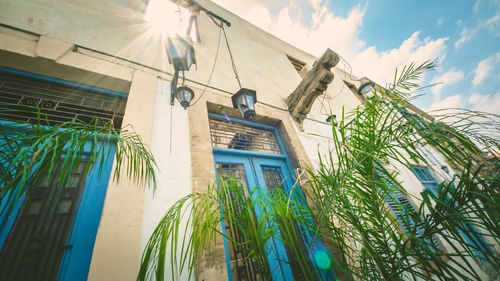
x=232, y=58
x=215, y=62
x=221, y=29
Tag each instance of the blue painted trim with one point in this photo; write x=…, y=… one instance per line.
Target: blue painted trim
x=280, y=143
x=223, y=227
x=246, y=153
x=246, y=122
x=7, y=222
x=64, y=82
x=75, y=263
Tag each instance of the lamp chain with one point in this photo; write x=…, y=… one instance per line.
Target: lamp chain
x=231, y=56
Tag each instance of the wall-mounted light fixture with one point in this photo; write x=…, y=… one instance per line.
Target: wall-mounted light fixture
x=245, y=100
x=332, y=119
x=180, y=54
x=184, y=95
x=445, y=169
x=367, y=89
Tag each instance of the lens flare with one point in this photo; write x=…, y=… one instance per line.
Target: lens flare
x=320, y=256
x=165, y=17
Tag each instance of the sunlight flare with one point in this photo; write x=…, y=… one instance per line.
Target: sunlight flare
x=166, y=17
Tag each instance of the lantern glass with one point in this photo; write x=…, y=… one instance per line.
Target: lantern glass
x=245, y=100
x=185, y=95
x=180, y=53
x=367, y=90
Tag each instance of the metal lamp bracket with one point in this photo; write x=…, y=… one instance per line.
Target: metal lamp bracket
x=173, y=86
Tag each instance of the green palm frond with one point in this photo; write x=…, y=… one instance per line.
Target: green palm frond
x=32, y=152
x=351, y=192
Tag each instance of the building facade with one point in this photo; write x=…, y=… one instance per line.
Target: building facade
x=103, y=59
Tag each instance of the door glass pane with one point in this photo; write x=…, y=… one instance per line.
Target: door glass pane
x=232, y=171
x=242, y=269
x=273, y=177
x=34, y=247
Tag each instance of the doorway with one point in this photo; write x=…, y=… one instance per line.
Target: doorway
x=253, y=155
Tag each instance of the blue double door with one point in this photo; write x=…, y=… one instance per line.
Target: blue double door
x=264, y=174
x=50, y=232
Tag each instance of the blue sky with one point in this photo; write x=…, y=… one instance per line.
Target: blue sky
x=376, y=37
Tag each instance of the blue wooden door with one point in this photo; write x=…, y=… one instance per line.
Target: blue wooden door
x=263, y=174
x=51, y=235
x=253, y=154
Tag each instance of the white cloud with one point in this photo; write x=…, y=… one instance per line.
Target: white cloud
x=340, y=34
x=465, y=36
x=477, y=5
x=486, y=103
x=380, y=66
x=484, y=68
x=448, y=78
x=439, y=22
x=455, y=101
x=475, y=98
x=493, y=23
x=261, y=16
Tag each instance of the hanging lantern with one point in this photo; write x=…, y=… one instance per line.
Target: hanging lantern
x=185, y=95
x=180, y=53
x=245, y=100
x=367, y=89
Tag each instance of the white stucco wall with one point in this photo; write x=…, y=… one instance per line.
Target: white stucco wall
x=170, y=145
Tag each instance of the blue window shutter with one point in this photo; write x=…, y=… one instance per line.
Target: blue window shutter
x=402, y=208
x=425, y=177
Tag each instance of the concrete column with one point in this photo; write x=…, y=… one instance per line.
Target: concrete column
x=170, y=144
x=117, y=246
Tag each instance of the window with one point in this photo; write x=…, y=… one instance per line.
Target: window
x=297, y=64
x=425, y=177
x=50, y=234
x=472, y=237
x=239, y=136
x=404, y=211
x=58, y=100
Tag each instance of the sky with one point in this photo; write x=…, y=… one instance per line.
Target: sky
x=376, y=37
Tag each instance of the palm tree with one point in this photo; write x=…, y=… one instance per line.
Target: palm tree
x=362, y=213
